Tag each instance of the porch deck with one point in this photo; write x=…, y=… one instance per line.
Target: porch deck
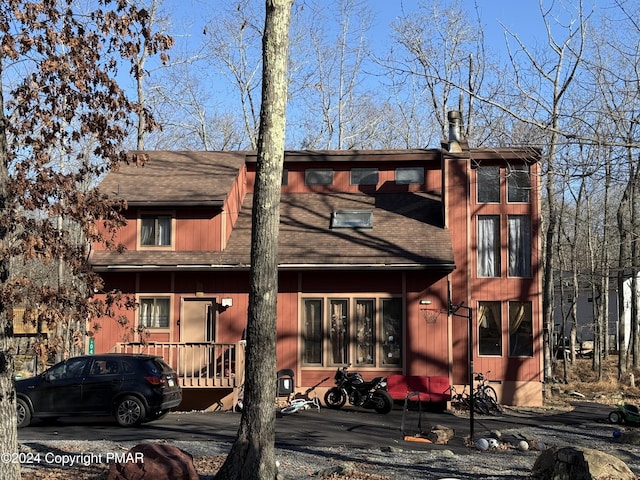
x=197, y=364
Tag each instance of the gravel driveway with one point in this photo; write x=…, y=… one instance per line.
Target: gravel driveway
x=397, y=460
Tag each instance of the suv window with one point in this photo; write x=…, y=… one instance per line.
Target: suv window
x=70, y=369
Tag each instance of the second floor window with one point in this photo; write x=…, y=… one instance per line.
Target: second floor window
x=364, y=176
x=519, y=245
x=154, y=312
x=408, y=175
x=317, y=176
x=155, y=230
x=489, y=246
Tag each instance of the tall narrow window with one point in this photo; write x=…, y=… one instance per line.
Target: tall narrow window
x=391, y=331
x=519, y=245
x=488, y=183
x=365, y=332
x=520, y=329
x=519, y=183
x=339, y=332
x=312, y=333
x=154, y=312
x=155, y=230
x=488, y=245
x=489, y=328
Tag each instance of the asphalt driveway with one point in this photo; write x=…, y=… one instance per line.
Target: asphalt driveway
x=325, y=428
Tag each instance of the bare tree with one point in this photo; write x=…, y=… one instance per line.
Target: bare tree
x=58, y=94
x=445, y=51
x=233, y=43
x=252, y=455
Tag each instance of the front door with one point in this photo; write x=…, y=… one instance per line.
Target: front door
x=198, y=320
x=197, y=327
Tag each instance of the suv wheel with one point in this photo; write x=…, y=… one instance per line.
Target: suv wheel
x=23, y=413
x=130, y=412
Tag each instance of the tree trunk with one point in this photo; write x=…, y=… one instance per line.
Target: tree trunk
x=252, y=455
x=9, y=437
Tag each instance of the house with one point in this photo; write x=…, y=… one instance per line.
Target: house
x=373, y=247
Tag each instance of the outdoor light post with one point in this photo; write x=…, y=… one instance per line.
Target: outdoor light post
x=453, y=310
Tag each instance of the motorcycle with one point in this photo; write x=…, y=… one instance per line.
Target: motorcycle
x=351, y=386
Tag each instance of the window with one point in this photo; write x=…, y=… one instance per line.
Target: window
x=338, y=332
x=489, y=246
x=391, y=310
x=154, y=312
x=519, y=245
x=316, y=176
x=520, y=329
x=352, y=219
x=364, y=176
x=519, y=183
x=407, y=175
x=365, y=334
x=354, y=331
x=312, y=332
x=488, y=182
x=285, y=177
x=72, y=368
x=489, y=328
x=155, y=230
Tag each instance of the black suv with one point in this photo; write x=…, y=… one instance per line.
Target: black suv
x=133, y=388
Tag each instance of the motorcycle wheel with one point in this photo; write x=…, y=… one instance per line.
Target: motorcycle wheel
x=383, y=401
x=335, y=398
x=616, y=417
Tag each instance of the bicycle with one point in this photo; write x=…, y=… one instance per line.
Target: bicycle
x=303, y=401
x=487, y=393
x=462, y=401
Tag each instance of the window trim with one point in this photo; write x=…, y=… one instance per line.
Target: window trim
x=497, y=309
x=154, y=297
x=513, y=173
x=485, y=168
x=409, y=181
x=320, y=172
x=497, y=246
x=527, y=239
x=379, y=346
x=528, y=305
x=364, y=174
x=156, y=213
x=352, y=219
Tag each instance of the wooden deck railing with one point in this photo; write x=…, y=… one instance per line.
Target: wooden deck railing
x=198, y=364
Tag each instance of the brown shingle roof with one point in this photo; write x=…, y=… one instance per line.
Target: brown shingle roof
x=407, y=233
x=176, y=178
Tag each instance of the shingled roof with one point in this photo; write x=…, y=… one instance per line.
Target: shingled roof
x=175, y=178
x=407, y=230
